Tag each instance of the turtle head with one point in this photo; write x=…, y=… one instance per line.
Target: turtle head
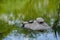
x=40, y=20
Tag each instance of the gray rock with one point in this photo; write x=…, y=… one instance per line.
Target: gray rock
x=36, y=25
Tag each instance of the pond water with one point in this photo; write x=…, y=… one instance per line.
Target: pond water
x=39, y=36
x=19, y=34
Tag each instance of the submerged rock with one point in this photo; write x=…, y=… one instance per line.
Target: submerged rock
x=37, y=24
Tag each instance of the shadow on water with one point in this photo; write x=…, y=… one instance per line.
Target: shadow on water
x=56, y=25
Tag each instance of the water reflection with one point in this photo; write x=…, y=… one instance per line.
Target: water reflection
x=14, y=35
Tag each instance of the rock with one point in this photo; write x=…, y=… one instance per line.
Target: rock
x=37, y=24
